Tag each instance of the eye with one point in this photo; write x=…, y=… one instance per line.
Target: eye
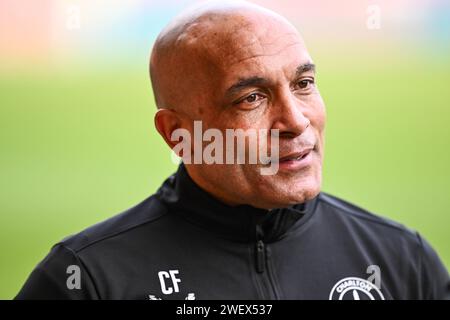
x=251, y=101
x=251, y=98
x=305, y=84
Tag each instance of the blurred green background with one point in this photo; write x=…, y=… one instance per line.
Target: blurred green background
x=78, y=143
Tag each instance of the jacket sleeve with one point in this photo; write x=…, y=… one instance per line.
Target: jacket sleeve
x=435, y=280
x=61, y=275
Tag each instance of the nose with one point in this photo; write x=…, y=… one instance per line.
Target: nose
x=289, y=118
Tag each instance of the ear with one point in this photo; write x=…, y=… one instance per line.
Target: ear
x=166, y=121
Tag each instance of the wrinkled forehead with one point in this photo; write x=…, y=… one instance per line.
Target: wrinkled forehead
x=224, y=40
x=202, y=54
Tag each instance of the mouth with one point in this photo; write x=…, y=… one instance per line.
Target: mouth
x=296, y=160
x=296, y=156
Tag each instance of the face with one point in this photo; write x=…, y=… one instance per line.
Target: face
x=255, y=73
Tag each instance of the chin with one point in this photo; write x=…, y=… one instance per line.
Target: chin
x=287, y=194
x=304, y=194
x=299, y=196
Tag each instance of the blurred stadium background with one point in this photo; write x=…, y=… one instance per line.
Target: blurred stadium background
x=76, y=130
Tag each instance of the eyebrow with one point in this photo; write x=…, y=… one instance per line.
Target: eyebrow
x=245, y=83
x=305, y=68
x=259, y=81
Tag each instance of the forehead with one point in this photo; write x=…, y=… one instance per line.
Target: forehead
x=236, y=38
x=281, y=57
x=248, y=46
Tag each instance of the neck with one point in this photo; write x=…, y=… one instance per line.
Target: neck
x=218, y=193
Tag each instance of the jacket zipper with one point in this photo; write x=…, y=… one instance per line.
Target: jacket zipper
x=260, y=256
x=261, y=266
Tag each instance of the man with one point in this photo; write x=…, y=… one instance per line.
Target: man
x=219, y=230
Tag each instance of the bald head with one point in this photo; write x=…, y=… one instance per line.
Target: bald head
x=202, y=43
x=235, y=65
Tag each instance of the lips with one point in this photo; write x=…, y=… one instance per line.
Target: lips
x=296, y=156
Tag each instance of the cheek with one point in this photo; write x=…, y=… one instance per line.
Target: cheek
x=318, y=114
x=247, y=119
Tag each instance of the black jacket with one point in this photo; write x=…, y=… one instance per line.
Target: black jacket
x=181, y=243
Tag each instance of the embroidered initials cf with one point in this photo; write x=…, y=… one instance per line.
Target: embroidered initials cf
x=163, y=276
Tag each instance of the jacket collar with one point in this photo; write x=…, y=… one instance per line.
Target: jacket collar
x=242, y=223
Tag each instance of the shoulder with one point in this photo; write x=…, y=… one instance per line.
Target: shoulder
x=91, y=251
x=125, y=224
x=391, y=241
x=359, y=217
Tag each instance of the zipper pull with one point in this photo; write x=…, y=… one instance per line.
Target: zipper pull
x=260, y=256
